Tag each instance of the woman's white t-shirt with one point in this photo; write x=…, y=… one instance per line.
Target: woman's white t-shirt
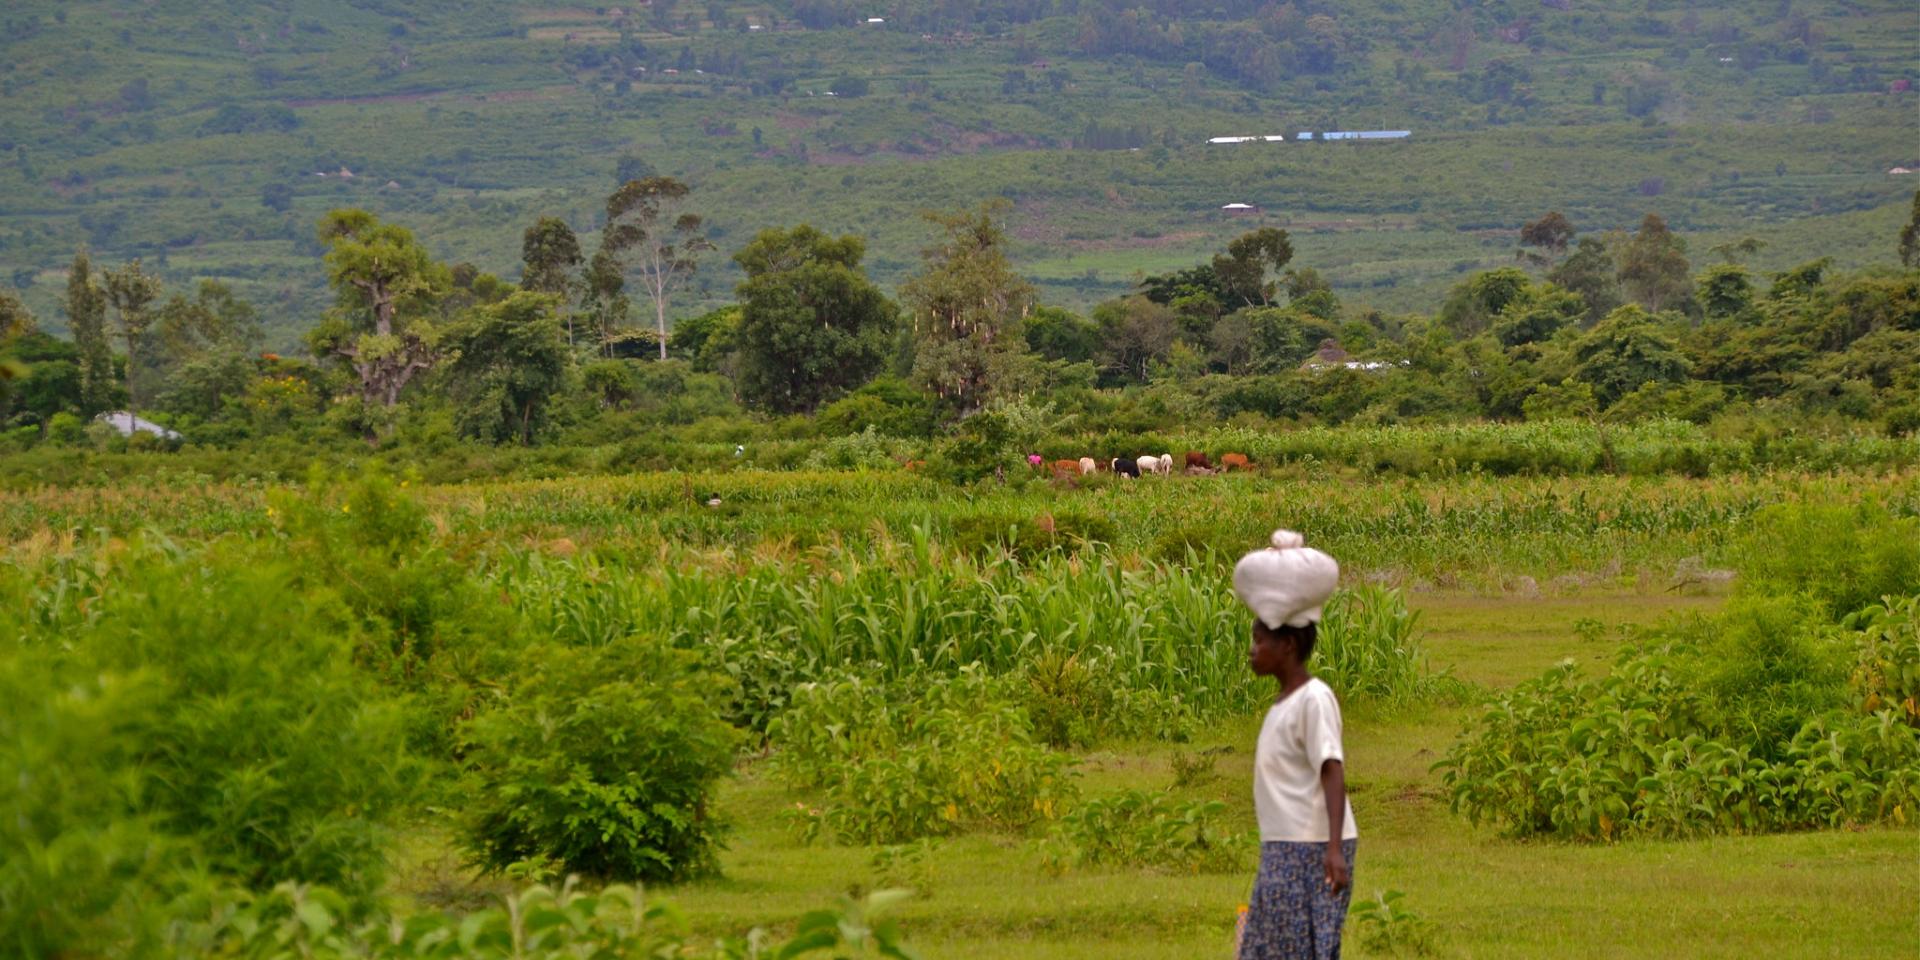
x=1301, y=733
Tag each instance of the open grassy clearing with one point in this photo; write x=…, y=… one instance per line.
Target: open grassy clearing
x=1845, y=893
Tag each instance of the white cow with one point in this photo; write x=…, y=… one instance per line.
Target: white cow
x=1088, y=465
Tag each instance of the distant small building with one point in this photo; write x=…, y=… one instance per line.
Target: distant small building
x=1331, y=356
x=1239, y=209
x=1230, y=139
x=1899, y=171
x=126, y=424
x=876, y=20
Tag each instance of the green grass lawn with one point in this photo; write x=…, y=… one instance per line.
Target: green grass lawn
x=1842, y=893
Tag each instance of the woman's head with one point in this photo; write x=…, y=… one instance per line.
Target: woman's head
x=1274, y=649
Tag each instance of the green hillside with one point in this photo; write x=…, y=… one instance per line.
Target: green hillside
x=196, y=134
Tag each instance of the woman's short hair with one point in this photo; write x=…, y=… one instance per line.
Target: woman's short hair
x=1303, y=637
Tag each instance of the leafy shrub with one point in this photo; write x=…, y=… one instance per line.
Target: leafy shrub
x=239, y=729
x=1845, y=557
x=77, y=863
x=1386, y=927
x=1886, y=672
x=929, y=758
x=1134, y=828
x=539, y=923
x=1727, y=725
x=1075, y=703
x=602, y=760
x=414, y=617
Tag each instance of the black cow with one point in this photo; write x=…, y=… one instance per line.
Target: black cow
x=1126, y=466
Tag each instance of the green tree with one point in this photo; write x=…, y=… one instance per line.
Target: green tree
x=132, y=291
x=968, y=306
x=388, y=286
x=1471, y=306
x=1243, y=270
x=1551, y=235
x=1054, y=333
x=204, y=348
x=1589, y=272
x=606, y=304
x=86, y=305
x=812, y=326
x=1725, y=291
x=650, y=230
x=509, y=359
x=1135, y=333
x=1625, y=352
x=1653, y=266
x=1910, y=236
x=1540, y=311
x=550, y=255
x=15, y=322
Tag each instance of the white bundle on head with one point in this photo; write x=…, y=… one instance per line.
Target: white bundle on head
x=1287, y=583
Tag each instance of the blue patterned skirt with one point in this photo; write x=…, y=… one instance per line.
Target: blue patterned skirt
x=1291, y=914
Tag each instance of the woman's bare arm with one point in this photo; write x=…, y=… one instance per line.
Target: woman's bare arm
x=1333, y=781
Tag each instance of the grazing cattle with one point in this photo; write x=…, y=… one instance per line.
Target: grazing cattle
x=1126, y=468
x=1166, y=464
x=1197, y=459
x=1065, y=468
x=1234, y=461
x=1088, y=465
x=1199, y=472
x=1148, y=463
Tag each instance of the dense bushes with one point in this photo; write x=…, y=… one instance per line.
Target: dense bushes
x=168, y=716
x=600, y=762
x=917, y=759
x=1768, y=716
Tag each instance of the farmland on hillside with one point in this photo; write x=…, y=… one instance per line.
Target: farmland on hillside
x=208, y=138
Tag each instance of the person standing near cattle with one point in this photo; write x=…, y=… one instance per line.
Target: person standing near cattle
x=1307, y=833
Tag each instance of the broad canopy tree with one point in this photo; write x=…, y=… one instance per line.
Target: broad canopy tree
x=1244, y=270
x=383, y=326
x=812, y=326
x=86, y=304
x=509, y=359
x=968, y=304
x=651, y=231
x=132, y=291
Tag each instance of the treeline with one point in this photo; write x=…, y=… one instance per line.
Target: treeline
x=1614, y=327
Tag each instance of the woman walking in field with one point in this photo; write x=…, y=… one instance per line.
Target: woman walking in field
x=1307, y=834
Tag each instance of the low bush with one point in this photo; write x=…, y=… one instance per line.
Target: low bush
x=539, y=923
x=1844, y=557
x=1135, y=828
x=1739, y=724
x=1075, y=703
x=603, y=761
x=924, y=758
x=195, y=708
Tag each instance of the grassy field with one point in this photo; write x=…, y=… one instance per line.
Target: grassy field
x=1842, y=893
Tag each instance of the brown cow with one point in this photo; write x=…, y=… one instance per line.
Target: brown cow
x=1234, y=461
x=1066, y=468
x=1197, y=459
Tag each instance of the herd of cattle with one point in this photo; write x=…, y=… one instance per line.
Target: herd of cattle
x=1197, y=465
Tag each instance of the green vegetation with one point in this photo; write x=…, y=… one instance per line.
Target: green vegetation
x=609, y=446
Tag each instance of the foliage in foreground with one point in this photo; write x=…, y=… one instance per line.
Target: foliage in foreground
x=314, y=923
